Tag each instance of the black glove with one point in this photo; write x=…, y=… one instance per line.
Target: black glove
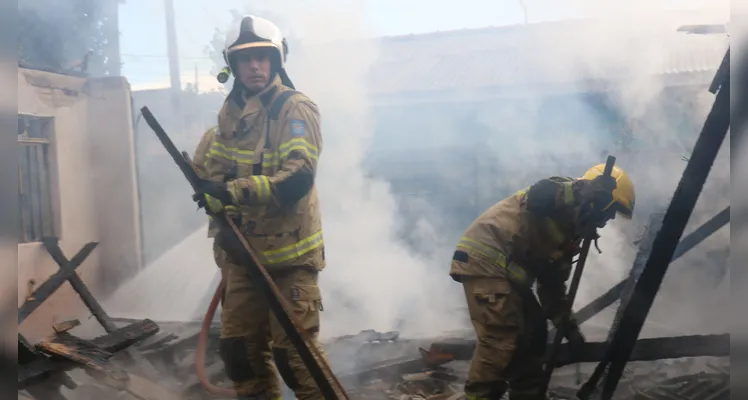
x=575, y=337
x=216, y=190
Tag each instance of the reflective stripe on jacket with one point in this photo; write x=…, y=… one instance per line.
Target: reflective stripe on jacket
x=273, y=149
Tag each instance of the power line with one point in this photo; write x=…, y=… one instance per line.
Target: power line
x=165, y=57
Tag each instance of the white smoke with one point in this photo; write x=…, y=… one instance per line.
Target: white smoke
x=373, y=280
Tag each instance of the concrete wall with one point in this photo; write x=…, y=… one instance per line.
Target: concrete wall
x=113, y=173
x=94, y=190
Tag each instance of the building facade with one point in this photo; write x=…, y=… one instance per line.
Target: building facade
x=77, y=181
x=463, y=118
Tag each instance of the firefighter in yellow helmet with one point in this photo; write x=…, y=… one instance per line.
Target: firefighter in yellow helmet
x=263, y=161
x=527, y=238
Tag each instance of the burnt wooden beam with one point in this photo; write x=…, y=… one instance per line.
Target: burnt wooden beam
x=653, y=349
x=53, y=247
x=65, y=326
x=462, y=349
x=110, y=343
x=645, y=349
x=66, y=271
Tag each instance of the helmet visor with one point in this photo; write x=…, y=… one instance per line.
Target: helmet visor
x=254, y=32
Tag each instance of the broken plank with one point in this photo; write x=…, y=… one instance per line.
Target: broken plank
x=76, y=350
x=112, y=343
x=65, y=326
x=42, y=293
x=126, y=336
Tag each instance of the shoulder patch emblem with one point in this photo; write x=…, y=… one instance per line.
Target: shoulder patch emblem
x=297, y=128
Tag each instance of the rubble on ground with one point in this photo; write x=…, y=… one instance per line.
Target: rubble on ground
x=386, y=366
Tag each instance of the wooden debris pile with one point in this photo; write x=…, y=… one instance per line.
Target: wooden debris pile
x=43, y=367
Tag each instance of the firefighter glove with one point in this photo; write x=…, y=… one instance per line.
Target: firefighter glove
x=212, y=195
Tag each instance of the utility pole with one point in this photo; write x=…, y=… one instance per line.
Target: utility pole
x=197, y=85
x=171, y=45
x=524, y=9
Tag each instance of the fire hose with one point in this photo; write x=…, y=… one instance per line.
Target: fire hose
x=202, y=347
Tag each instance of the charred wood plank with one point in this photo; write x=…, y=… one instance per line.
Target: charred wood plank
x=652, y=349
x=77, y=350
x=126, y=336
x=67, y=270
x=113, y=342
x=645, y=350
x=645, y=248
x=65, y=326
x=53, y=247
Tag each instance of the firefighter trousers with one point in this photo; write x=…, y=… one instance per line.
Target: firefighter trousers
x=252, y=341
x=511, y=335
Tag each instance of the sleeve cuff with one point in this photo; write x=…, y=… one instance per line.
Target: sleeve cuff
x=252, y=191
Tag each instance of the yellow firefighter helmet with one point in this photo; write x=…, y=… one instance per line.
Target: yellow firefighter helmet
x=623, y=195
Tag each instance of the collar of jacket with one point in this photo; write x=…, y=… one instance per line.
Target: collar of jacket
x=262, y=100
x=232, y=114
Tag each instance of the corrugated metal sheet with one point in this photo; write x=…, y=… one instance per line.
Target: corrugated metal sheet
x=544, y=53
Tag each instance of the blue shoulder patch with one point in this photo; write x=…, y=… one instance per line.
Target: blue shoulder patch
x=297, y=128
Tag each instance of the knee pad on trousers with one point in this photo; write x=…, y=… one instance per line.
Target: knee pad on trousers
x=235, y=356
x=283, y=363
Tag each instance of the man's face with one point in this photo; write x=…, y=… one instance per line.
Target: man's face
x=254, y=68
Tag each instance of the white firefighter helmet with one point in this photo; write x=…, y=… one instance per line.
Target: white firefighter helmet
x=255, y=32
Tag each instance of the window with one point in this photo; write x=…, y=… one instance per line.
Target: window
x=35, y=214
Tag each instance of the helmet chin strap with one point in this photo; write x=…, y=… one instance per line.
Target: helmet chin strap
x=285, y=79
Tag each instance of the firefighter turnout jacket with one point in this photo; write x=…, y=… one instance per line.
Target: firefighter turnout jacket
x=526, y=238
x=270, y=144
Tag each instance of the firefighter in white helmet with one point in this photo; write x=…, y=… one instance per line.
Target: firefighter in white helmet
x=262, y=164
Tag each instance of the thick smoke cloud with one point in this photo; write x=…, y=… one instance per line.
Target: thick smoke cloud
x=384, y=273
